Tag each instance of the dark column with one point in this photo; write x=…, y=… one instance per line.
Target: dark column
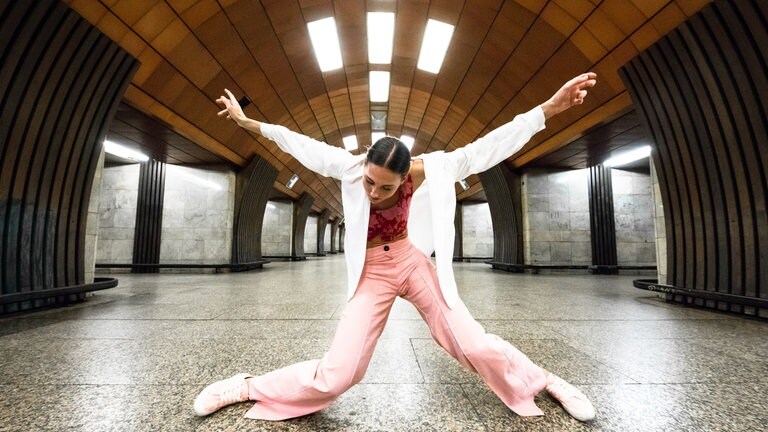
x=602, y=221
x=149, y=216
x=342, y=231
x=334, y=234
x=458, y=241
x=322, y=224
x=502, y=188
x=61, y=82
x=701, y=93
x=254, y=185
x=301, y=210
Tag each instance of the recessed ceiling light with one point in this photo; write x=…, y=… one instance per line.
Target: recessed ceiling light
x=381, y=34
x=292, y=181
x=325, y=41
x=379, y=85
x=628, y=157
x=437, y=37
x=124, y=152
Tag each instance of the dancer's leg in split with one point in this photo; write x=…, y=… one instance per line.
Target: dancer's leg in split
x=506, y=370
x=306, y=387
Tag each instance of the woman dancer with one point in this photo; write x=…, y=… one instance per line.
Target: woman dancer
x=387, y=254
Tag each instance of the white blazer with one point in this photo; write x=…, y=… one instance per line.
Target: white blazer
x=430, y=224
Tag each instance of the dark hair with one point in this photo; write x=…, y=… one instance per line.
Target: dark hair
x=390, y=153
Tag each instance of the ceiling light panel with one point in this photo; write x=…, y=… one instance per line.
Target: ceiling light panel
x=437, y=37
x=628, y=157
x=325, y=41
x=124, y=152
x=381, y=35
x=379, y=85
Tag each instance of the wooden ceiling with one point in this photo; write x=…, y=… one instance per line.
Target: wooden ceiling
x=504, y=58
x=133, y=129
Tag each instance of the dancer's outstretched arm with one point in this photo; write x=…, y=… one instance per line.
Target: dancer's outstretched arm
x=324, y=159
x=504, y=141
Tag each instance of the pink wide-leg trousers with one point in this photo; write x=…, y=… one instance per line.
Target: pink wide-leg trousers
x=398, y=269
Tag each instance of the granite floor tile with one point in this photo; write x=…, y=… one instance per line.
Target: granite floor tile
x=725, y=407
x=672, y=361
x=303, y=310
x=11, y=326
x=519, y=329
x=120, y=310
x=169, y=329
x=750, y=349
x=726, y=329
x=96, y=408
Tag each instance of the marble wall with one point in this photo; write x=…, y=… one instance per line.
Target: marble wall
x=92, y=223
x=276, y=229
x=310, y=235
x=556, y=217
x=198, y=212
x=660, y=228
x=633, y=208
x=327, y=239
x=117, y=214
x=477, y=230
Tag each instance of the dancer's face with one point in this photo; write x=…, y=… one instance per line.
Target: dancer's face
x=380, y=183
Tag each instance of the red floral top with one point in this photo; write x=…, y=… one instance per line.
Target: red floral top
x=389, y=223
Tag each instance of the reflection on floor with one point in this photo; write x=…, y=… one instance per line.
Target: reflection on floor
x=133, y=358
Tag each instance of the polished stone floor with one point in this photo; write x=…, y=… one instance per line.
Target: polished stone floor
x=133, y=358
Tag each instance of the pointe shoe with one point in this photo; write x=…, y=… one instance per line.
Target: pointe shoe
x=573, y=401
x=220, y=394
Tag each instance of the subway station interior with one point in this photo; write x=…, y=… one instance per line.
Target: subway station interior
x=150, y=247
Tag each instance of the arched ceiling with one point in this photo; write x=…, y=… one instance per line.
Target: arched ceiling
x=504, y=58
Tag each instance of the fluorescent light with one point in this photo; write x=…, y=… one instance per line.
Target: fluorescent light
x=325, y=41
x=630, y=156
x=407, y=140
x=464, y=185
x=570, y=177
x=123, y=152
x=379, y=85
x=375, y=136
x=186, y=174
x=292, y=181
x=350, y=142
x=381, y=34
x=437, y=37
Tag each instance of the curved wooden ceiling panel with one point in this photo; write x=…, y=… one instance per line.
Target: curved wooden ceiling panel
x=504, y=57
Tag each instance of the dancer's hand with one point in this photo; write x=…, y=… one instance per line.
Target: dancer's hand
x=571, y=93
x=232, y=108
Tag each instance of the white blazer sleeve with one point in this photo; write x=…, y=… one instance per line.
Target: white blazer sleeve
x=322, y=158
x=496, y=146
